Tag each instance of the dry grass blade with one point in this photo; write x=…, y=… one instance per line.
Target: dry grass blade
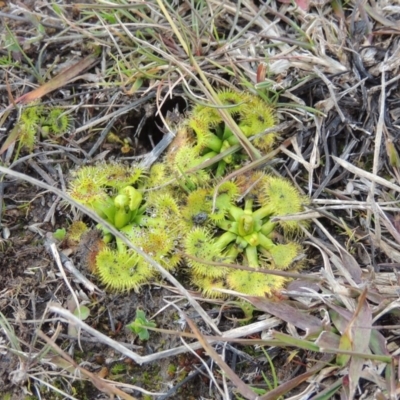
x=60, y=80
x=351, y=264
x=91, y=287
x=244, y=389
x=372, y=11
x=356, y=338
x=99, y=336
x=377, y=156
x=310, y=324
x=391, y=227
x=233, y=335
x=346, y=263
x=365, y=174
x=99, y=383
x=282, y=339
x=285, y=387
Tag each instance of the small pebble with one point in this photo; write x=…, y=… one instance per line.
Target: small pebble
x=5, y=233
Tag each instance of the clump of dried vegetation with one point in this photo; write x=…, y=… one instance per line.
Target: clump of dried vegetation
x=116, y=78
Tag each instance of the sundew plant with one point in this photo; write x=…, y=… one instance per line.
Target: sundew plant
x=187, y=226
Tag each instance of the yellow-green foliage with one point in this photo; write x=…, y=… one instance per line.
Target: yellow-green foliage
x=76, y=230
x=245, y=236
x=200, y=246
x=209, y=136
x=158, y=242
x=177, y=166
x=106, y=188
x=255, y=283
x=283, y=199
x=122, y=270
x=198, y=208
x=38, y=119
x=173, y=213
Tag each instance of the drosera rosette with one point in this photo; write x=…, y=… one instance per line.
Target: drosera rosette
x=27, y=128
x=55, y=122
x=198, y=208
x=108, y=190
x=154, y=231
x=212, y=136
x=158, y=231
x=37, y=119
x=244, y=227
x=122, y=269
x=246, y=236
x=150, y=223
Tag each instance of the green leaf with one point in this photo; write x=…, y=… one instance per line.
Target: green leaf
x=82, y=312
x=57, y=9
x=296, y=342
x=345, y=343
x=60, y=234
x=140, y=325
